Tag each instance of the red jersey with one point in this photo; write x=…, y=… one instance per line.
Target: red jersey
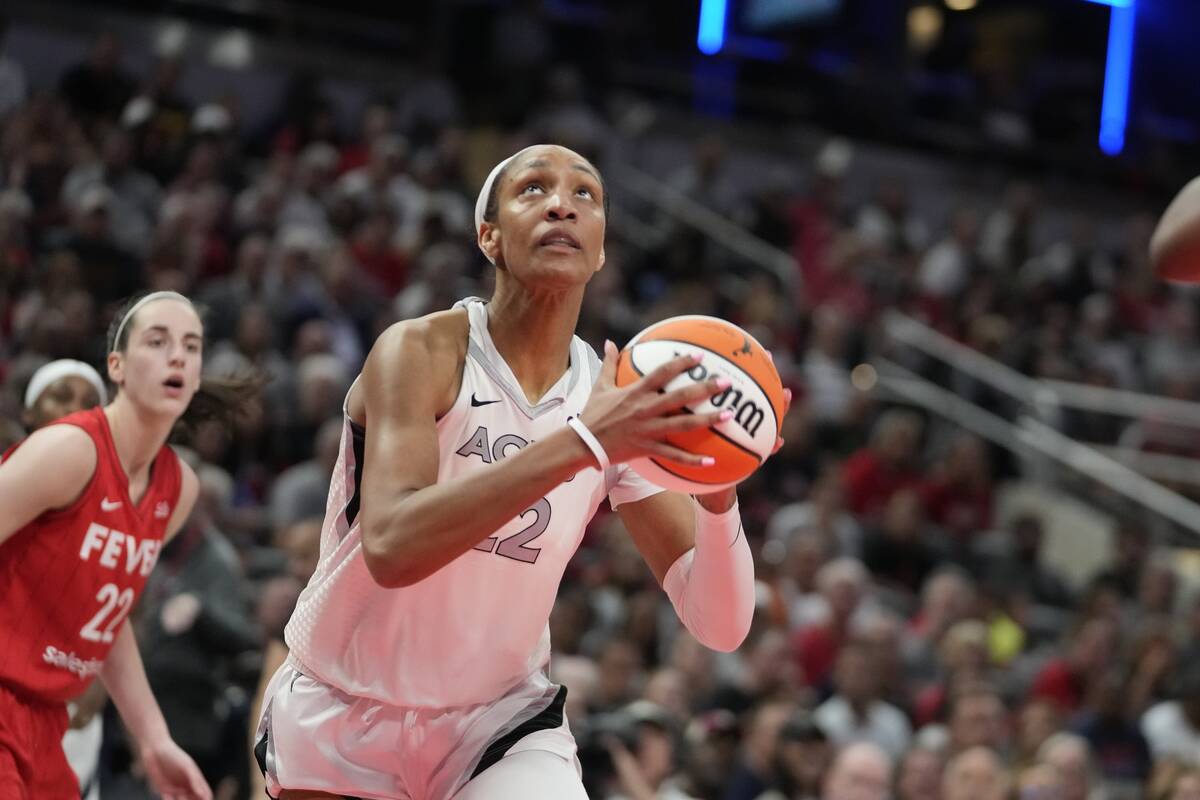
x=69, y=578
x=870, y=483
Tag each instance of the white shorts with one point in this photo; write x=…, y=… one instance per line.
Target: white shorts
x=82, y=749
x=313, y=736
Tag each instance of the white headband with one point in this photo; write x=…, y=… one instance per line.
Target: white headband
x=481, y=201
x=150, y=298
x=57, y=370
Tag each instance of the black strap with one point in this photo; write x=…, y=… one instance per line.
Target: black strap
x=86, y=788
x=260, y=755
x=549, y=719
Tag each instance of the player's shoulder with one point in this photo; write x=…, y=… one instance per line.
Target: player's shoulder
x=60, y=441
x=67, y=452
x=425, y=355
x=438, y=336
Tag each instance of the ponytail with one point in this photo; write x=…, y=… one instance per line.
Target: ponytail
x=220, y=399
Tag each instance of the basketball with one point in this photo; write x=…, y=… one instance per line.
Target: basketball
x=755, y=397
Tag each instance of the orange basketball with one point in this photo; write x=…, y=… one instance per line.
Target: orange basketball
x=755, y=397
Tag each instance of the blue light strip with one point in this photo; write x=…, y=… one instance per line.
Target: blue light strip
x=1115, y=110
x=710, y=38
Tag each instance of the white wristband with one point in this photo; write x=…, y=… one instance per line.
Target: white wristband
x=593, y=444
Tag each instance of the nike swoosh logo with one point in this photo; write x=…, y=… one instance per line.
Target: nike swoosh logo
x=475, y=402
x=109, y=505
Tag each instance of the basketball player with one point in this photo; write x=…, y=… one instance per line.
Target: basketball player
x=88, y=501
x=60, y=388
x=477, y=444
x=57, y=389
x=1175, y=245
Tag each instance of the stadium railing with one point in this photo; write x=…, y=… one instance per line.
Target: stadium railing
x=1035, y=435
x=1040, y=445
x=729, y=235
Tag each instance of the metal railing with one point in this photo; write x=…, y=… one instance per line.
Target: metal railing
x=1030, y=435
x=1162, y=467
x=1042, y=394
x=730, y=235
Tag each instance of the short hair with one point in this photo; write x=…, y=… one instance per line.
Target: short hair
x=845, y=568
x=895, y=419
x=971, y=690
x=861, y=750
x=944, y=574
x=972, y=752
x=1064, y=739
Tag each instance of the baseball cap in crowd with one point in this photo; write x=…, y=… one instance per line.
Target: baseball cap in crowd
x=712, y=724
x=211, y=118
x=96, y=197
x=16, y=203
x=646, y=712
x=301, y=238
x=137, y=111
x=802, y=728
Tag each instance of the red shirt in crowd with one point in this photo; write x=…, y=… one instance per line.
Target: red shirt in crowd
x=960, y=510
x=388, y=267
x=869, y=482
x=1061, y=685
x=817, y=648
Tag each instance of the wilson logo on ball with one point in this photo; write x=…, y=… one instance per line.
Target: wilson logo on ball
x=746, y=412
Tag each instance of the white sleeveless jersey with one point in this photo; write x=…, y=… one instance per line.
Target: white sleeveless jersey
x=479, y=625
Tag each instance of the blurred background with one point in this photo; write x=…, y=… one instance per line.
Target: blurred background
x=977, y=574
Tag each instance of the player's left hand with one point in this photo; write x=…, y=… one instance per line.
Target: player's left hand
x=787, y=406
x=173, y=774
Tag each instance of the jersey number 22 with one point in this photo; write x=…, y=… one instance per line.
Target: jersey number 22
x=115, y=607
x=514, y=546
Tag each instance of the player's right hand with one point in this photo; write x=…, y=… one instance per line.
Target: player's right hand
x=633, y=421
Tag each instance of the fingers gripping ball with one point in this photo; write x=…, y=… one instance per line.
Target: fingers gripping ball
x=755, y=398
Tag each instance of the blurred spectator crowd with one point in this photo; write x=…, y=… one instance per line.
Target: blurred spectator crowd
x=891, y=655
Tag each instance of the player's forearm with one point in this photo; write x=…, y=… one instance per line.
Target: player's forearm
x=712, y=585
x=427, y=529
x=124, y=677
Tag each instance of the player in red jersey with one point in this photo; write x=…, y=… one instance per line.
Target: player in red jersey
x=88, y=502
x=57, y=389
